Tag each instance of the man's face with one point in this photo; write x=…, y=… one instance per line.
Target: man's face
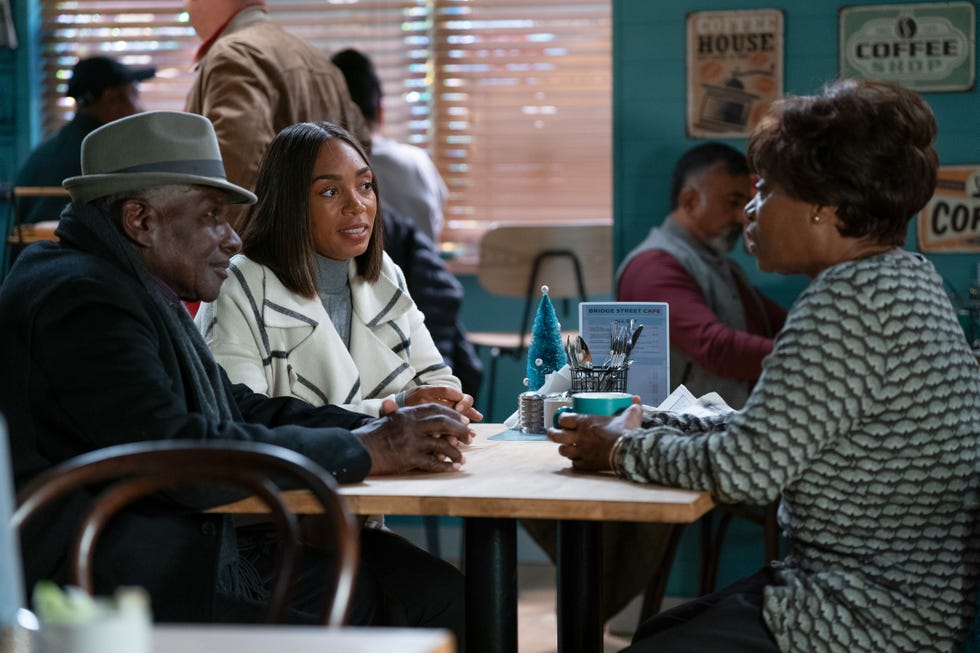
x=188, y=242
x=717, y=215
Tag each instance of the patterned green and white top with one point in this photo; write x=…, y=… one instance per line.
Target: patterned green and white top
x=867, y=420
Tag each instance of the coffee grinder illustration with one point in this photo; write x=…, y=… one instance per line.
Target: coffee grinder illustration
x=727, y=107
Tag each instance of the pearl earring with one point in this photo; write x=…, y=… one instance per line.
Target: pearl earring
x=815, y=219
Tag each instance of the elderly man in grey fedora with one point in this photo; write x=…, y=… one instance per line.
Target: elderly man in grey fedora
x=98, y=349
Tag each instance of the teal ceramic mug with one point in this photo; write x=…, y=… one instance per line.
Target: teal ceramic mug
x=596, y=403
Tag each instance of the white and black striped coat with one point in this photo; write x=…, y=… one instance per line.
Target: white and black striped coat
x=281, y=344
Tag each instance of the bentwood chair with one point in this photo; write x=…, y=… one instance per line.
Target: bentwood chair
x=125, y=473
x=573, y=260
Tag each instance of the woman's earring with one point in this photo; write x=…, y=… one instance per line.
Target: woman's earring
x=815, y=219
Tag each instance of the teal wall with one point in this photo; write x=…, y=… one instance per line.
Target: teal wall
x=19, y=99
x=19, y=105
x=649, y=113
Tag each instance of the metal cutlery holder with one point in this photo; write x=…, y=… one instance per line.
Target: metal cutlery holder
x=599, y=379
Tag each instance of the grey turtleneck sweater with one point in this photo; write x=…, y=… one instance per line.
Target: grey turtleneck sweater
x=335, y=294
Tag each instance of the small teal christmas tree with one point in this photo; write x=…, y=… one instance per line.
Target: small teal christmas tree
x=546, y=354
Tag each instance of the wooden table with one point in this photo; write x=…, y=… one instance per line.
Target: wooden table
x=501, y=482
x=25, y=234
x=175, y=638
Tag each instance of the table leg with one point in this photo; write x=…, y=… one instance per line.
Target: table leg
x=579, y=585
x=491, y=585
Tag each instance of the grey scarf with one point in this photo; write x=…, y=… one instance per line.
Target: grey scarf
x=200, y=369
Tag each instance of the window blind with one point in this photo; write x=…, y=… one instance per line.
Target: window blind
x=522, y=111
x=512, y=99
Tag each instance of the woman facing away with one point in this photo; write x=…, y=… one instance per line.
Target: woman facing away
x=865, y=420
x=313, y=307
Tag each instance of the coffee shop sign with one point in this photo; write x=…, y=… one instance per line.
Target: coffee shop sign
x=950, y=222
x=926, y=47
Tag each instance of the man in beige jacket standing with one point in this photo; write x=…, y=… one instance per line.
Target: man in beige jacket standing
x=254, y=79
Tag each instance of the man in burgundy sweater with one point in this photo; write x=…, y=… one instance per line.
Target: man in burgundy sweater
x=721, y=327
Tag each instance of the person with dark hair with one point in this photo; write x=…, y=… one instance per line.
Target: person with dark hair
x=865, y=418
x=104, y=90
x=98, y=350
x=314, y=308
x=721, y=327
x=413, y=186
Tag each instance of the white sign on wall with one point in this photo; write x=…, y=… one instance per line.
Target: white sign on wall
x=925, y=47
x=950, y=221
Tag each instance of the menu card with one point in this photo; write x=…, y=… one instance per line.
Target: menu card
x=649, y=374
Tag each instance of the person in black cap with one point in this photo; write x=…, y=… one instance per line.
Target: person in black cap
x=104, y=90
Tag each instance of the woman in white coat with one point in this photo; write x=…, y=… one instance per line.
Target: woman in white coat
x=313, y=308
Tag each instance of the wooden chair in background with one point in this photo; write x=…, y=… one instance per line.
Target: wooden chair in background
x=17, y=233
x=129, y=472
x=573, y=260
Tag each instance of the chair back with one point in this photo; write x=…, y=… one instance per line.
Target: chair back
x=11, y=574
x=573, y=260
x=508, y=253
x=128, y=472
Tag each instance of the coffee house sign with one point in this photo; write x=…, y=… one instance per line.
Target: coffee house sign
x=925, y=47
x=734, y=70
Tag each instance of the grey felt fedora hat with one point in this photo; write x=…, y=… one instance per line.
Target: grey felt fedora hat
x=156, y=148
